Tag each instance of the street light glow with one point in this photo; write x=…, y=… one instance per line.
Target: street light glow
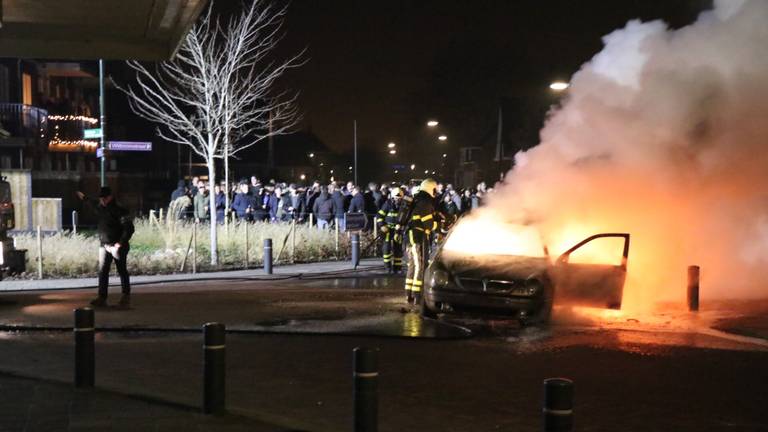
x=311, y=155
x=426, y=171
x=442, y=137
x=559, y=86
x=413, y=167
x=433, y=123
x=391, y=145
x=393, y=151
x=445, y=155
x=303, y=177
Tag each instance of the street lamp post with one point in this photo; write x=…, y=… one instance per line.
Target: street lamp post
x=354, y=125
x=102, y=123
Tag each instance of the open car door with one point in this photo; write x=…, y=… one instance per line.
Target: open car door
x=592, y=273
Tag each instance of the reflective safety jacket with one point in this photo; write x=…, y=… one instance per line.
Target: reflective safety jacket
x=423, y=220
x=388, y=213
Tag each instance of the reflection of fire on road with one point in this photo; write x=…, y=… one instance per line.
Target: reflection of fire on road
x=661, y=135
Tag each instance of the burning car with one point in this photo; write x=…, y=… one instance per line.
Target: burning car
x=507, y=270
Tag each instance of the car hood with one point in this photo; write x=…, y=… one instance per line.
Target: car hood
x=503, y=267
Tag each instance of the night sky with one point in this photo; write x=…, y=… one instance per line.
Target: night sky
x=391, y=65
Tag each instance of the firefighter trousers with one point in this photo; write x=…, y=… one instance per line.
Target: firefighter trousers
x=414, y=278
x=392, y=250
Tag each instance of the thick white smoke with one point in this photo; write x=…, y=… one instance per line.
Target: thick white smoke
x=664, y=134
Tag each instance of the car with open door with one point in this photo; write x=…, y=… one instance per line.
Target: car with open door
x=470, y=274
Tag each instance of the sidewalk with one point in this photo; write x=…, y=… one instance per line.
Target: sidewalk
x=255, y=273
x=32, y=405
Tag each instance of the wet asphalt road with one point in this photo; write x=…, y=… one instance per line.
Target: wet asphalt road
x=290, y=362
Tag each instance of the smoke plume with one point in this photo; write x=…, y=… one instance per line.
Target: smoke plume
x=663, y=134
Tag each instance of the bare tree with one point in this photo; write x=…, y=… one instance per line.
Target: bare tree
x=217, y=95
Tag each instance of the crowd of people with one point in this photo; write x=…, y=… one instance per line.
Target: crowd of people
x=323, y=204
x=409, y=218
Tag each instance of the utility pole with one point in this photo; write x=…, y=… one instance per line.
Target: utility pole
x=102, y=122
x=354, y=127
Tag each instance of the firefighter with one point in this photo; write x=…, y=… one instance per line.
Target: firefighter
x=421, y=224
x=392, y=235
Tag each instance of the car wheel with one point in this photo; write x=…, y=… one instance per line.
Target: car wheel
x=544, y=313
x=424, y=309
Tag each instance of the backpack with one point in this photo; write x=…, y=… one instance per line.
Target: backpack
x=405, y=213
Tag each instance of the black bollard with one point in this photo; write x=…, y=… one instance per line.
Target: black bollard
x=214, y=362
x=365, y=390
x=693, y=288
x=85, y=353
x=268, y=256
x=355, y=249
x=558, y=405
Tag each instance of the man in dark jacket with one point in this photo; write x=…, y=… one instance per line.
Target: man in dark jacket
x=357, y=203
x=180, y=191
x=324, y=209
x=221, y=203
x=275, y=205
x=338, y=204
x=375, y=197
x=243, y=203
x=261, y=209
x=115, y=228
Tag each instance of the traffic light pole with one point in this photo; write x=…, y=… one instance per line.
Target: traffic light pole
x=102, y=122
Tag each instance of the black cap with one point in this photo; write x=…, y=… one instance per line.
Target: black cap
x=105, y=191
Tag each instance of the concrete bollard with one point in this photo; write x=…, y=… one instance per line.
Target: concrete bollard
x=214, y=362
x=74, y=222
x=85, y=353
x=558, y=405
x=365, y=390
x=355, y=249
x=267, y=256
x=693, y=288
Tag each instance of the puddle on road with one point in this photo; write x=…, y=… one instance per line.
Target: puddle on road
x=350, y=282
x=403, y=325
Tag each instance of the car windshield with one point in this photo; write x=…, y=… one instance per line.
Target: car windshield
x=481, y=236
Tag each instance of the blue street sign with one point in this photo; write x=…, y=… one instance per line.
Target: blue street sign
x=129, y=145
x=99, y=152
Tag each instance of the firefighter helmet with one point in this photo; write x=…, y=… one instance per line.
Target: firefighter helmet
x=396, y=192
x=429, y=185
